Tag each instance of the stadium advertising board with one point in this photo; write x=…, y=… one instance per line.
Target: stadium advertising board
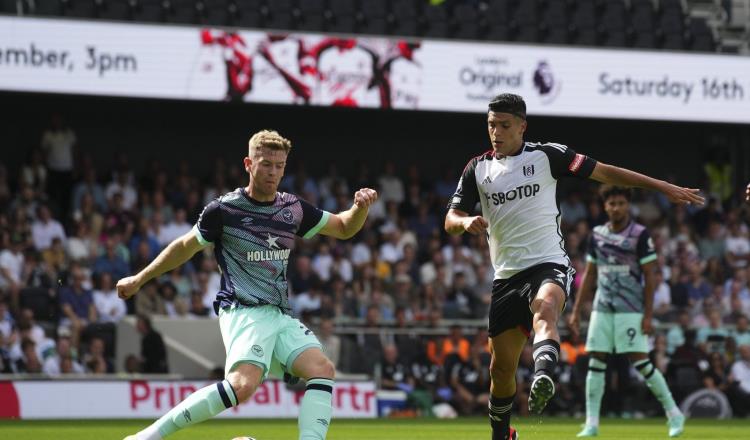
x=66, y=399
x=67, y=56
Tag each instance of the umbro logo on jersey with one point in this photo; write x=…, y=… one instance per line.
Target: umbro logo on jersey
x=247, y=220
x=486, y=181
x=528, y=171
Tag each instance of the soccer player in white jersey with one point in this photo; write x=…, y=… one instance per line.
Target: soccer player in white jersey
x=252, y=230
x=620, y=265
x=515, y=183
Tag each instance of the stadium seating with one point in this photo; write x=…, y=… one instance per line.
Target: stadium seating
x=643, y=24
x=115, y=10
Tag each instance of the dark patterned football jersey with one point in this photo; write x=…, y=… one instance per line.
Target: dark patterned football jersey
x=252, y=242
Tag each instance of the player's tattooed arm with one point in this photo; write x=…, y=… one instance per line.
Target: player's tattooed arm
x=174, y=255
x=624, y=177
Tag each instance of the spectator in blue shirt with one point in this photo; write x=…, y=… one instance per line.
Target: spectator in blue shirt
x=111, y=262
x=77, y=305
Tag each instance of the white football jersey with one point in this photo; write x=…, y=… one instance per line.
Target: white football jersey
x=518, y=196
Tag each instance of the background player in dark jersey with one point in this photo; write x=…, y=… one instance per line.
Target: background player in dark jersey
x=253, y=230
x=515, y=183
x=620, y=266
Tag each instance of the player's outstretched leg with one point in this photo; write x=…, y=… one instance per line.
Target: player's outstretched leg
x=594, y=393
x=205, y=403
x=199, y=406
x=658, y=386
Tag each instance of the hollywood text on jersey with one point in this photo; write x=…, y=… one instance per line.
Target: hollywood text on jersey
x=274, y=255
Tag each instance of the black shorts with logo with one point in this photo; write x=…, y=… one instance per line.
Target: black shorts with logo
x=511, y=297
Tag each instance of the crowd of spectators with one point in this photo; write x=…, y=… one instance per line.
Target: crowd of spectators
x=70, y=228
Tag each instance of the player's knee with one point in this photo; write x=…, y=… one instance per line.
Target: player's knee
x=325, y=368
x=243, y=386
x=546, y=315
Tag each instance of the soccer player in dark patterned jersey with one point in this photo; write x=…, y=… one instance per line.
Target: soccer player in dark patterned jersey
x=252, y=230
x=620, y=264
x=515, y=183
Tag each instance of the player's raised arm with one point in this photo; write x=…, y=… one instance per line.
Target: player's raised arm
x=174, y=255
x=347, y=223
x=457, y=222
x=624, y=177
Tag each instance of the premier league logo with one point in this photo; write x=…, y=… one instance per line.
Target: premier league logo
x=545, y=83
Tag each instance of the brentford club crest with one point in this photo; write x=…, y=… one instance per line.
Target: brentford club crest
x=528, y=171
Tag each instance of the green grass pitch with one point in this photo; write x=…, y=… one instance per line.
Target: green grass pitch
x=402, y=429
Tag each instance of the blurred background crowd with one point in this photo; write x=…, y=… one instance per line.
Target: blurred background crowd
x=402, y=300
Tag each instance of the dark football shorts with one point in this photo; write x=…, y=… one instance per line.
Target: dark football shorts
x=511, y=297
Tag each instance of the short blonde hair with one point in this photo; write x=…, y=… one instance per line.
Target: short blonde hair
x=270, y=139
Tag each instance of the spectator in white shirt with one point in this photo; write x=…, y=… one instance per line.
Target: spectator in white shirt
x=322, y=262
x=342, y=266
x=58, y=142
x=390, y=251
x=176, y=228
x=309, y=301
x=122, y=186
x=45, y=228
x=11, y=268
x=62, y=362
x=391, y=187
x=80, y=247
x=737, y=247
x=109, y=306
x=662, y=297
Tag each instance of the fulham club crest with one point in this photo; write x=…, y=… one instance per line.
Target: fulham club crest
x=528, y=171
